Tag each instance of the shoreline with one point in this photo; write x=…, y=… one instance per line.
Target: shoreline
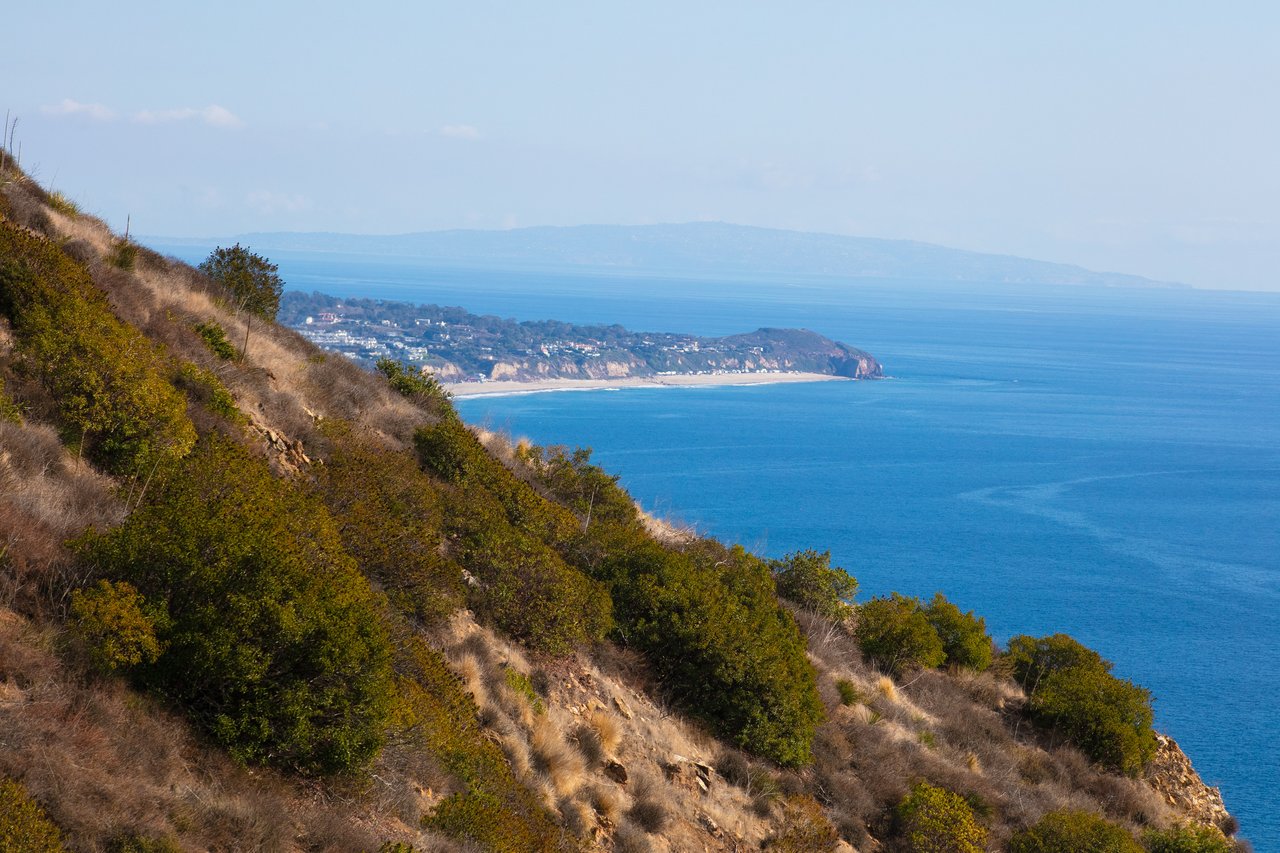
x=505, y=388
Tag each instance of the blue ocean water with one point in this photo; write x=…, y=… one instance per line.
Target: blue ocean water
x=1100, y=462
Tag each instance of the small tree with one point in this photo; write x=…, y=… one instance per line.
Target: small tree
x=895, y=635
x=808, y=579
x=251, y=283
x=964, y=636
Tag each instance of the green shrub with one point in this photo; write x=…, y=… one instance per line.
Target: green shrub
x=849, y=693
x=390, y=518
x=109, y=382
x=206, y=389
x=522, y=685
x=216, y=339
x=24, y=827
x=1187, y=839
x=62, y=204
x=965, y=640
x=275, y=643
x=114, y=627
x=1073, y=693
x=505, y=534
x=9, y=410
x=804, y=828
x=709, y=621
x=1074, y=832
x=422, y=388
x=123, y=255
x=896, y=636
x=808, y=579
x=143, y=844
x=935, y=820
x=492, y=809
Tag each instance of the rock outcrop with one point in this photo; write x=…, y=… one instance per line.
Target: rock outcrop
x=1171, y=775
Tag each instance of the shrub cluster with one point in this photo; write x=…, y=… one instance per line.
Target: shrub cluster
x=1187, y=839
x=114, y=627
x=422, y=388
x=1074, y=832
x=109, y=382
x=24, y=827
x=898, y=634
x=215, y=337
x=935, y=820
x=807, y=579
x=271, y=638
x=1073, y=693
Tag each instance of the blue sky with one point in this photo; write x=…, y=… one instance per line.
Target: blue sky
x=1139, y=137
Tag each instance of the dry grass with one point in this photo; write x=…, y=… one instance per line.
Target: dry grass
x=555, y=758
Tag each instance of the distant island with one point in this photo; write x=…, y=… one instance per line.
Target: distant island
x=465, y=349
x=697, y=249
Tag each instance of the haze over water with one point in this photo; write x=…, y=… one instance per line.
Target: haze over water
x=1104, y=463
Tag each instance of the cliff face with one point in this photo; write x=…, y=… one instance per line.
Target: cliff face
x=1172, y=776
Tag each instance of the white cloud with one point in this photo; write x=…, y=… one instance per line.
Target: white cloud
x=460, y=131
x=68, y=107
x=212, y=115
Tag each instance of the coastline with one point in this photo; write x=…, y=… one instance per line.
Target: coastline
x=503, y=388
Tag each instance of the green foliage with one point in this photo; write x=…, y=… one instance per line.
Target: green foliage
x=896, y=636
x=522, y=685
x=275, y=642
x=935, y=820
x=1193, y=838
x=711, y=624
x=143, y=844
x=63, y=205
x=849, y=693
x=587, y=490
x=504, y=533
x=390, y=518
x=123, y=255
x=207, y=389
x=1074, y=832
x=492, y=809
x=9, y=410
x=422, y=388
x=965, y=640
x=215, y=337
x=250, y=281
x=24, y=827
x=808, y=579
x=109, y=382
x=114, y=627
x=1073, y=693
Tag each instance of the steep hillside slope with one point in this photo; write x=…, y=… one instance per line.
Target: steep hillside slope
x=274, y=601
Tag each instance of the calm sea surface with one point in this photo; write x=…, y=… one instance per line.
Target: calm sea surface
x=1100, y=462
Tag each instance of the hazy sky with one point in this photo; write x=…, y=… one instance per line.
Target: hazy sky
x=1140, y=137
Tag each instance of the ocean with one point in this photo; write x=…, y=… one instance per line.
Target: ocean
x=1100, y=462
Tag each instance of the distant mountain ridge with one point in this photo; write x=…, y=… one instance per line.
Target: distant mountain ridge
x=702, y=248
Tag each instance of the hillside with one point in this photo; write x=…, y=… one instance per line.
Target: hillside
x=459, y=346
x=257, y=597
x=706, y=248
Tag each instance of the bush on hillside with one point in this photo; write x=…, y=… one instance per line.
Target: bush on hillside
x=808, y=579
x=1187, y=839
x=390, y=518
x=422, y=388
x=215, y=337
x=965, y=640
x=1074, y=832
x=274, y=642
x=109, y=382
x=114, y=627
x=709, y=621
x=935, y=820
x=24, y=827
x=1073, y=693
x=896, y=636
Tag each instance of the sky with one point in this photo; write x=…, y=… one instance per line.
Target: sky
x=1138, y=137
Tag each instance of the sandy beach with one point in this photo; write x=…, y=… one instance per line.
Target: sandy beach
x=694, y=380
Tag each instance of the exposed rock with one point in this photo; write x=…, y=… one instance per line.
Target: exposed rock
x=622, y=708
x=1171, y=775
x=616, y=772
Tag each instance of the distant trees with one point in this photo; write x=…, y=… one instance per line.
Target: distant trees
x=250, y=282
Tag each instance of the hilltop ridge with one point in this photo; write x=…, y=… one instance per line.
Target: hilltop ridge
x=258, y=597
